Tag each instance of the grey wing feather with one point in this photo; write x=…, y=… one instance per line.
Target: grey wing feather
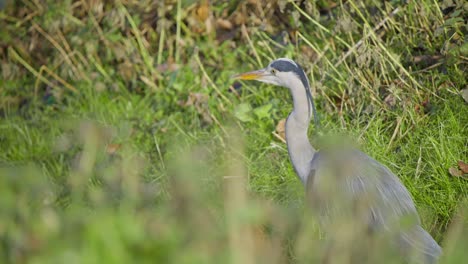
x=353, y=174
x=419, y=245
x=356, y=174
x=393, y=195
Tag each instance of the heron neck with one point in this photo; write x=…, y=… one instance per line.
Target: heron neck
x=300, y=150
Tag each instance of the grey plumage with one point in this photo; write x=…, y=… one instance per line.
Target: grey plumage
x=338, y=182
x=343, y=182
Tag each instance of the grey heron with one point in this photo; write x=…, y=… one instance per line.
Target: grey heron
x=336, y=179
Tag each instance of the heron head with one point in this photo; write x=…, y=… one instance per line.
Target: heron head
x=281, y=72
x=284, y=72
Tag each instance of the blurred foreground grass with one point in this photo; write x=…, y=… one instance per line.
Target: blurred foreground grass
x=119, y=129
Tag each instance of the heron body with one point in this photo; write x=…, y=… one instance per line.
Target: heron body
x=344, y=182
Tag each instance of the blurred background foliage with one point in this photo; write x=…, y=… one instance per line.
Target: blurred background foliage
x=123, y=139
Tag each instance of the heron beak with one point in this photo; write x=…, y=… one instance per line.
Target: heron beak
x=253, y=75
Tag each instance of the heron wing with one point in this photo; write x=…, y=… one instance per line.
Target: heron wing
x=346, y=177
x=419, y=245
x=352, y=182
x=390, y=193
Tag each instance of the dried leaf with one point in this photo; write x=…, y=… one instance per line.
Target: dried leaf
x=455, y=172
x=200, y=20
x=239, y=18
x=112, y=148
x=203, y=12
x=224, y=24
x=463, y=166
x=464, y=94
x=281, y=129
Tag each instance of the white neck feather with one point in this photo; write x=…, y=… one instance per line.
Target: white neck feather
x=300, y=150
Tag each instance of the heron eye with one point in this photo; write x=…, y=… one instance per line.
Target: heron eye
x=273, y=71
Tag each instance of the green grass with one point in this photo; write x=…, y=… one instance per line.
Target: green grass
x=110, y=155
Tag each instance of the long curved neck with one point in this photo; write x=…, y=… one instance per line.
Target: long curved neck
x=300, y=150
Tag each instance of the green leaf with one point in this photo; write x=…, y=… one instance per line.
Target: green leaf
x=263, y=111
x=244, y=112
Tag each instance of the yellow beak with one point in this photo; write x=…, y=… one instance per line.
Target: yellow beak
x=253, y=75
